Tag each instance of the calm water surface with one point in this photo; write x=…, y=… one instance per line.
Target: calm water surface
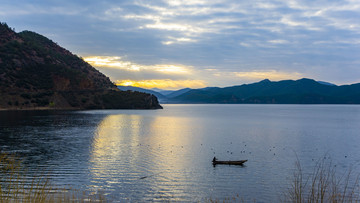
x=161, y=155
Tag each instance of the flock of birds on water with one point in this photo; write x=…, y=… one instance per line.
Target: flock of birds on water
x=214, y=151
x=271, y=149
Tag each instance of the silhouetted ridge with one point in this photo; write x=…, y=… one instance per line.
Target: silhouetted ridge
x=265, y=81
x=35, y=72
x=303, y=91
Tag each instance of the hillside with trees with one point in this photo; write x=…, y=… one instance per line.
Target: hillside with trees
x=36, y=73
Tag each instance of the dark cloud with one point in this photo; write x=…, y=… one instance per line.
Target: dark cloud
x=318, y=39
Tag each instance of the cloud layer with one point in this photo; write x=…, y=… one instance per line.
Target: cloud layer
x=219, y=42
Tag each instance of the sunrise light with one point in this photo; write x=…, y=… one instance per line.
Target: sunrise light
x=272, y=75
x=163, y=84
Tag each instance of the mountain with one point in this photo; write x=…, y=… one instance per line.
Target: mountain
x=161, y=91
x=138, y=89
x=177, y=93
x=164, y=96
x=36, y=73
x=303, y=91
x=171, y=93
x=326, y=83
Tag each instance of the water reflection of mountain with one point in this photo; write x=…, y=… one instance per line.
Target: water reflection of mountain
x=46, y=137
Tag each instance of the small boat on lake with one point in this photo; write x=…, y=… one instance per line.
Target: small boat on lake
x=238, y=162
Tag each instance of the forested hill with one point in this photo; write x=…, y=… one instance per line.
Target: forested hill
x=36, y=73
x=303, y=91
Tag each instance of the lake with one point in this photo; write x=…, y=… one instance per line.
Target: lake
x=165, y=155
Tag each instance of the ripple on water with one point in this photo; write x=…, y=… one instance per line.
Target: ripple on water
x=166, y=155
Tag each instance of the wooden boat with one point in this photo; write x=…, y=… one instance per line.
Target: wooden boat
x=238, y=162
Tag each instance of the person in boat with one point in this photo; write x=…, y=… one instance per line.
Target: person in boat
x=214, y=159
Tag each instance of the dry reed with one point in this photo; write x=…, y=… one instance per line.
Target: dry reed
x=16, y=187
x=325, y=184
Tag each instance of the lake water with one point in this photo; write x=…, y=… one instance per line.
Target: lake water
x=165, y=155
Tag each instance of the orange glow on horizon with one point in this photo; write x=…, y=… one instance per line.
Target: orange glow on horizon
x=116, y=62
x=163, y=84
x=271, y=75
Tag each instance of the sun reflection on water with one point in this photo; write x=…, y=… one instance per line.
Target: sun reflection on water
x=132, y=148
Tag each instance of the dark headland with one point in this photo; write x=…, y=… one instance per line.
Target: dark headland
x=36, y=73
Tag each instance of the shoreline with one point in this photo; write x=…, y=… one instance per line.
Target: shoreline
x=37, y=109
x=67, y=109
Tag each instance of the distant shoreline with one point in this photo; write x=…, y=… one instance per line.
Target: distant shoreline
x=63, y=109
x=77, y=109
x=36, y=109
x=318, y=104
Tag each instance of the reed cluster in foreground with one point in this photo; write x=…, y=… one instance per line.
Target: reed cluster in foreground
x=16, y=187
x=325, y=184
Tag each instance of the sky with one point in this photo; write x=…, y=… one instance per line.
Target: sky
x=173, y=44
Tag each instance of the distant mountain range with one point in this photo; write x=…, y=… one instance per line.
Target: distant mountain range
x=36, y=73
x=303, y=91
x=164, y=96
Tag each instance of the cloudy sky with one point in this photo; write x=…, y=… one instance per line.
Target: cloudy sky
x=173, y=44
